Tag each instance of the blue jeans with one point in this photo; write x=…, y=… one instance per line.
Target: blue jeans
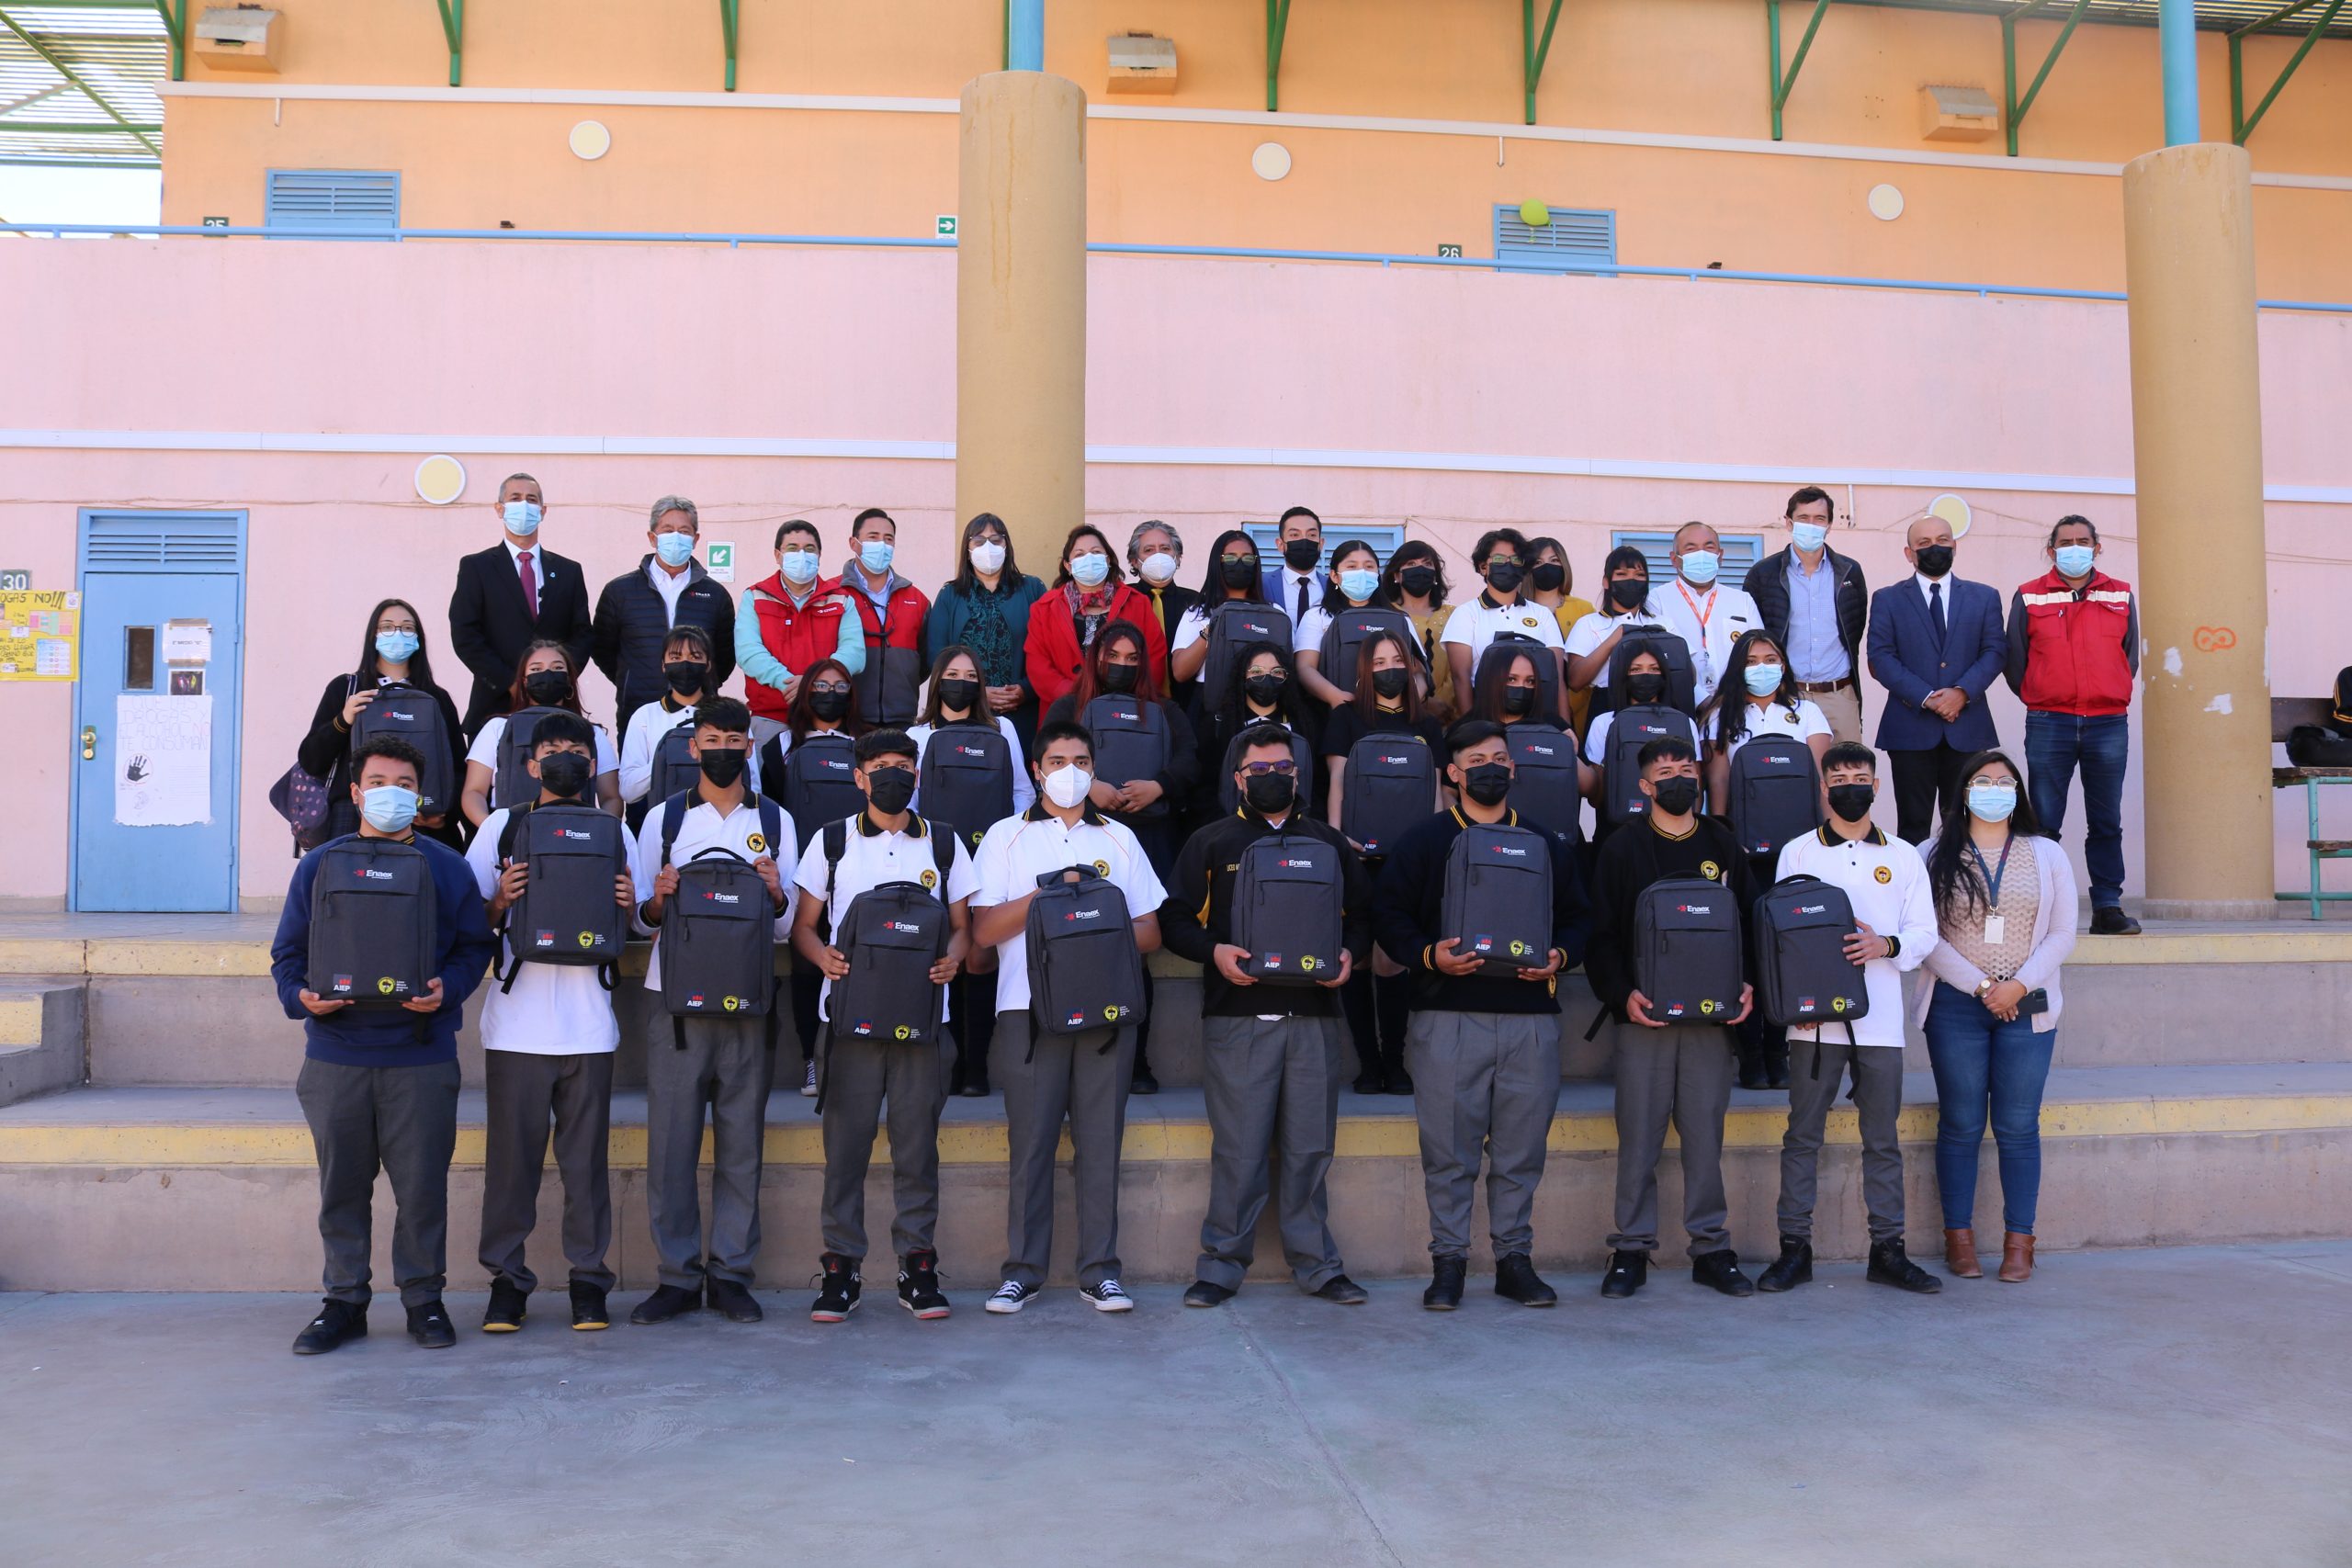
x=1982, y=1064
x=2054, y=743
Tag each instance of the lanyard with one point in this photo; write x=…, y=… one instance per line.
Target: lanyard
x=1684, y=589
x=1993, y=874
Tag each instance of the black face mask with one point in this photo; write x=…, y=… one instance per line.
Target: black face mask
x=685, y=675
x=1518, y=699
x=1269, y=794
x=548, y=688
x=1237, y=573
x=1548, y=577
x=1120, y=678
x=1417, y=581
x=1488, y=783
x=1627, y=593
x=1390, y=682
x=1264, y=689
x=563, y=773
x=1852, y=802
x=1645, y=689
x=1935, y=560
x=723, y=768
x=889, y=789
x=958, y=695
x=1676, y=795
x=827, y=705
x=1300, y=555
x=1503, y=577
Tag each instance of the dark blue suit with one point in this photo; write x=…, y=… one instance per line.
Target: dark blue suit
x=1910, y=661
x=1276, y=582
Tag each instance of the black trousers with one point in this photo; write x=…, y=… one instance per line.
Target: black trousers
x=1924, y=782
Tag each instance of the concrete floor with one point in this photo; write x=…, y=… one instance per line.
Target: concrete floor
x=2180, y=1407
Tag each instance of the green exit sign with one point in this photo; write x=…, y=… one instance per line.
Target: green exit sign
x=944, y=226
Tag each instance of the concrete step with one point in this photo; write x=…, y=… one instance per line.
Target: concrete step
x=151, y=1189
x=41, y=1034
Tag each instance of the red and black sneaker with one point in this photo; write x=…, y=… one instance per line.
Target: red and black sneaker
x=919, y=1290
x=837, y=1288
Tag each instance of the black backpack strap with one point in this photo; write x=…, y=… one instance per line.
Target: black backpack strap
x=674, y=816
x=506, y=836
x=942, y=856
x=771, y=823
x=1600, y=1016
x=836, y=841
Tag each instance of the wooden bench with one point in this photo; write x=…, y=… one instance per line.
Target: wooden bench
x=2286, y=715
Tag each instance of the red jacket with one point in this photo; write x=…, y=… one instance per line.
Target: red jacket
x=2071, y=654
x=1052, y=652
x=799, y=638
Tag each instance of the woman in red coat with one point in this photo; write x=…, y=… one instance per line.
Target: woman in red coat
x=1087, y=595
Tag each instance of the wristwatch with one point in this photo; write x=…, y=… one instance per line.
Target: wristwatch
x=1984, y=988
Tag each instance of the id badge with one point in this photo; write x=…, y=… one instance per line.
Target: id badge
x=1997, y=928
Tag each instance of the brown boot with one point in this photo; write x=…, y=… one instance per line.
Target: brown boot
x=1960, y=1255
x=2016, y=1257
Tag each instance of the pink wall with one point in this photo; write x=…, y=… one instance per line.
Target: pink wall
x=1225, y=390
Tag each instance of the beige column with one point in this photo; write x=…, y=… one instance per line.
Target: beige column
x=1020, y=311
x=2196, y=441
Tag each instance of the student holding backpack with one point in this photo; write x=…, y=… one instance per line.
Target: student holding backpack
x=1886, y=882
x=1385, y=742
x=558, y=879
x=1052, y=884
x=810, y=766
x=719, y=906
x=1353, y=612
x=392, y=664
x=1231, y=613
x=1671, y=870
x=382, y=941
x=1612, y=781
x=1488, y=910
x=657, y=761
x=1275, y=908
x=892, y=889
x=1259, y=691
x=1550, y=779
x=497, y=768
x=1626, y=604
x=1501, y=609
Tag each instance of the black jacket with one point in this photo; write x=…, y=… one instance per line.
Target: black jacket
x=1408, y=920
x=1634, y=857
x=632, y=622
x=491, y=624
x=1198, y=916
x=1174, y=602
x=1768, y=584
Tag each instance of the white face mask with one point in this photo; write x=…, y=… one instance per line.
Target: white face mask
x=1158, y=568
x=797, y=566
x=987, y=556
x=1067, y=786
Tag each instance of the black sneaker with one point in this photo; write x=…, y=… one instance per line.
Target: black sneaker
x=588, y=1310
x=838, y=1288
x=429, y=1326
x=1343, y=1291
x=337, y=1322
x=1791, y=1269
x=1400, y=1081
x=2110, y=921
x=1142, y=1082
x=1446, y=1275
x=919, y=1290
x=1516, y=1281
x=1010, y=1297
x=1891, y=1265
x=507, y=1304
x=1369, y=1082
x=1719, y=1270
x=668, y=1302
x=1201, y=1293
x=1628, y=1273
x=732, y=1300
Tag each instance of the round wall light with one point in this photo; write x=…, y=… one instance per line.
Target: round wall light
x=1271, y=161
x=1886, y=203
x=590, y=140
x=440, y=479
x=1952, y=510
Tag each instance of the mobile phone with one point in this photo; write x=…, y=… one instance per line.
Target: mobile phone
x=2034, y=1001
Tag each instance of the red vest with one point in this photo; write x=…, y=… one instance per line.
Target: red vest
x=2074, y=657
x=799, y=636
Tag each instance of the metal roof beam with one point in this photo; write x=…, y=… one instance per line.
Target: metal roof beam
x=1532, y=53
x=175, y=15
x=453, y=30
x=1277, y=29
x=2016, y=106
x=2241, y=123
x=731, y=17
x=1783, y=86
x=50, y=56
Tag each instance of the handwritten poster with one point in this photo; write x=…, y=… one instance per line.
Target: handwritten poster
x=163, y=760
x=40, y=635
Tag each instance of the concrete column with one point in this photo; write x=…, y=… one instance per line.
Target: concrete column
x=2196, y=442
x=1020, y=311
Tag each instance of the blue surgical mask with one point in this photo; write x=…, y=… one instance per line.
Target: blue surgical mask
x=2074, y=560
x=798, y=565
x=1810, y=537
x=875, y=554
x=390, y=808
x=395, y=648
x=1699, y=566
x=1359, y=585
x=1763, y=680
x=1992, y=802
x=1088, y=569
x=675, y=549
x=522, y=517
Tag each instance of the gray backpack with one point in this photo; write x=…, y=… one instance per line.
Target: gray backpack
x=1390, y=786
x=891, y=934
x=965, y=781
x=1344, y=639
x=1233, y=624
x=409, y=713
x=1131, y=743
x=567, y=914
x=1544, y=783
x=1621, y=799
x=513, y=785
x=372, y=917
x=1498, y=896
x=1085, y=971
x=717, y=934
x=1286, y=899
x=675, y=768
x=1775, y=793
x=1687, y=954
x=1802, y=975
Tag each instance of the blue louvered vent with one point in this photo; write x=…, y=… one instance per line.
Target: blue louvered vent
x=1576, y=240
x=356, y=204
x=169, y=543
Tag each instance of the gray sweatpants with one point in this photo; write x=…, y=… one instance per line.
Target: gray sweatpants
x=1681, y=1074
x=726, y=1065
x=1878, y=1095
x=1071, y=1075
x=1485, y=1084
x=861, y=1077
x=1272, y=1088
x=403, y=1121
x=526, y=1091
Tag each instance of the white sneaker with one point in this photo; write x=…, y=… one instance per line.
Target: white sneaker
x=1107, y=1297
x=1010, y=1296
x=809, y=1082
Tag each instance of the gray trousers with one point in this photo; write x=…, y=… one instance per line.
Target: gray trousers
x=403, y=1121
x=1485, y=1084
x=526, y=1092
x=1272, y=1088
x=861, y=1078
x=1878, y=1095
x=726, y=1065
x=1071, y=1075
x=1681, y=1074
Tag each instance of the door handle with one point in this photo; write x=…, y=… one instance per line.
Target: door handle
x=89, y=743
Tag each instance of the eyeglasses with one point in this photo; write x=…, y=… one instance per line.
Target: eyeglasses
x=1259, y=770
x=1241, y=561
x=1502, y=560
x=837, y=691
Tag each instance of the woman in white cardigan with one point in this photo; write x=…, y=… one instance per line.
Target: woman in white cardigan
x=2005, y=909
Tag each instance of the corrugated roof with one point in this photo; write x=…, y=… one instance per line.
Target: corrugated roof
x=77, y=84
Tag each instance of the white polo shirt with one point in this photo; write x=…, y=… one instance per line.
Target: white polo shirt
x=1474, y=624
x=485, y=748
x=1802, y=723
x=1019, y=850
x=1887, y=883
x=1592, y=631
x=738, y=832
x=871, y=857
x=1709, y=623
x=555, y=1009
x=647, y=726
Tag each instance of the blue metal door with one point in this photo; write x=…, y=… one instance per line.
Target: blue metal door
x=156, y=710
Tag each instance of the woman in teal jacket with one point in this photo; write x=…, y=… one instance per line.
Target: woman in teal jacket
x=986, y=608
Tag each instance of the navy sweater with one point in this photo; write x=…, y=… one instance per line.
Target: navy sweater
x=391, y=1038
x=1408, y=919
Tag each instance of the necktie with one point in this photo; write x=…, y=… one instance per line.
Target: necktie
x=530, y=582
x=1300, y=614
x=1936, y=610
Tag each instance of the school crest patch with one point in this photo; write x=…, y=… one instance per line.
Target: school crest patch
x=1884, y=874
x=1711, y=871
x=757, y=843
x=929, y=878
x=1102, y=868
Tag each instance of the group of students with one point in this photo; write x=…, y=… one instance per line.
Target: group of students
x=1145, y=756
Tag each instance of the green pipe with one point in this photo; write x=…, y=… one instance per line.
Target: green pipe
x=67, y=71
x=1783, y=86
x=2009, y=78
x=453, y=28
x=1532, y=53
x=1772, y=62
x=1277, y=28
x=730, y=16
x=2033, y=92
x=2302, y=50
